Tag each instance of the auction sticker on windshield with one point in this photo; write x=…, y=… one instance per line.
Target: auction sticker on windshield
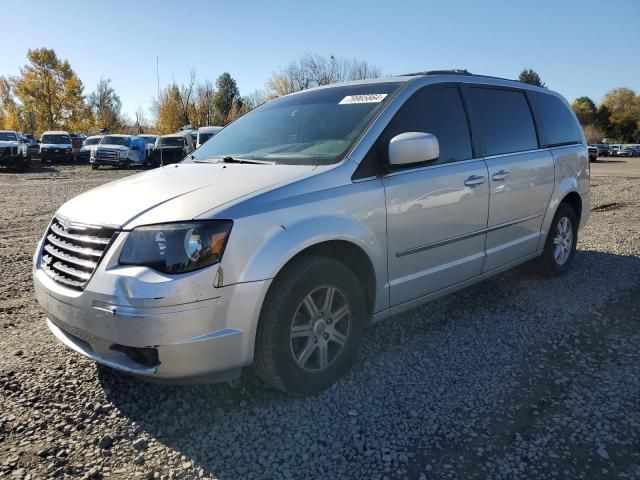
x=370, y=98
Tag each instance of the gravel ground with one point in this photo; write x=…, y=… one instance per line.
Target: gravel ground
x=517, y=377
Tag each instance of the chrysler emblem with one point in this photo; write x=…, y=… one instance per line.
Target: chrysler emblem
x=65, y=224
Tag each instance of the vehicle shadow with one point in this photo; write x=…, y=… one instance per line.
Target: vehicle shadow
x=601, y=160
x=222, y=427
x=34, y=167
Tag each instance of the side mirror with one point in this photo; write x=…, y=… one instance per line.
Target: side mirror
x=413, y=147
x=135, y=147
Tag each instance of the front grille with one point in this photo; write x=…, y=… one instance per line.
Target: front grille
x=71, y=255
x=8, y=151
x=107, y=154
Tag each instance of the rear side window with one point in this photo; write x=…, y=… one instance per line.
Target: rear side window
x=503, y=120
x=557, y=124
x=438, y=111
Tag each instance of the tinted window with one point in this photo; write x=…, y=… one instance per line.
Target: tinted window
x=503, y=120
x=557, y=124
x=438, y=111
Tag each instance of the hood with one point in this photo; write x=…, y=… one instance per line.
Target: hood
x=9, y=143
x=55, y=145
x=169, y=147
x=174, y=193
x=112, y=146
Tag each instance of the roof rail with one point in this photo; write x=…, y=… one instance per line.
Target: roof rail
x=455, y=71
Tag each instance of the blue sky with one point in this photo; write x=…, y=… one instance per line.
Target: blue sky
x=581, y=47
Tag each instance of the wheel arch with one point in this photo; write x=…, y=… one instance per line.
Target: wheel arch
x=566, y=192
x=574, y=200
x=348, y=253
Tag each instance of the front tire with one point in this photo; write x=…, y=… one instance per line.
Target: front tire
x=560, y=247
x=311, y=325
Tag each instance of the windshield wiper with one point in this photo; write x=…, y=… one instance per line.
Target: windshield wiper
x=230, y=159
x=244, y=160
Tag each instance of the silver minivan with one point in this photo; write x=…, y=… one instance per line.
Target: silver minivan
x=277, y=242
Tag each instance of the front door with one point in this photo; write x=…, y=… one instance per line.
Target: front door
x=436, y=212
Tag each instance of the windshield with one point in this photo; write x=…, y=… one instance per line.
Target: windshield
x=171, y=141
x=8, y=137
x=56, y=139
x=92, y=141
x=115, y=140
x=315, y=127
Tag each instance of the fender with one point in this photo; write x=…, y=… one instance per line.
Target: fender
x=286, y=241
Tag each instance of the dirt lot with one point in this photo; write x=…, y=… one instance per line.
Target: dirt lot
x=517, y=377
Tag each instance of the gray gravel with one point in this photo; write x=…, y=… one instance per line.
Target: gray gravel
x=517, y=377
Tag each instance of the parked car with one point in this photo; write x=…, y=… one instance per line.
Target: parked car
x=13, y=152
x=120, y=151
x=603, y=149
x=593, y=153
x=85, y=151
x=205, y=133
x=172, y=148
x=150, y=141
x=55, y=146
x=33, y=147
x=613, y=150
x=283, y=237
x=77, y=141
x=625, y=151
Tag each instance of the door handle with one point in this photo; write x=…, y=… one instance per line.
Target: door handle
x=501, y=175
x=474, y=180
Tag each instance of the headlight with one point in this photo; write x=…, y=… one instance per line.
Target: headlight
x=177, y=247
x=122, y=154
x=94, y=151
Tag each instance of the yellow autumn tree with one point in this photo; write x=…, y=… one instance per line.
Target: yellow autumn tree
x=168, y=110
x=50, y=90
x=11, y=117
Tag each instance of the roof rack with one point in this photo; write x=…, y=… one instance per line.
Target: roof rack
x=455, y=71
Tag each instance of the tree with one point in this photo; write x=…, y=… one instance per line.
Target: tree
x=205, y=111
x=141, y=124
x=11, y=116
x=168, y=110
x=623, y=105
x=585, y=110
x=185, y=97
x=315, y=70
x=106, y=107
x=593, y=133
x=602, y=119
x=226, y=95
x=531, y=77
x=48, y=87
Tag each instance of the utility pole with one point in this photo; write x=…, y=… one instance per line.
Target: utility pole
x=158, y=78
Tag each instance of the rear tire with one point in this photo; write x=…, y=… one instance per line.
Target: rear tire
x=300, y=352
x=560, y=247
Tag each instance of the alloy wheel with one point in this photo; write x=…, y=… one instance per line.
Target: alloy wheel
x=320, y=328
x=563, y=241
